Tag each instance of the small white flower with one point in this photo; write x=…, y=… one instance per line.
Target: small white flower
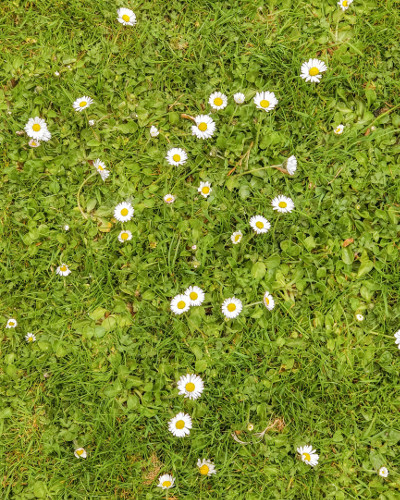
x=101, y=169
x=397, y=337
x=260, y=224
x=180, y=304
x=204, y=189
x=154, y=131
x=282, y=204
x=250, y=427
x=195, y=295
x=180, y=425
x=56, y=73
x=169, y=198
x=82, y=103
x=265, y=100
x=268, y=301
x=232, y=307
x=165, y=482
x=194, y=247
x=63, y=270
x=345, y=4
x=239, y=98
x=190, y=386
x=236, y=237
x=204, y=128
x=218, y=100
x=66, y=227
x=80, y=453
x=126, y=17
x=291, y=165
x=312, y=69
x=11, y=323
x=124, y=211
x=383, y=472
x=36, y=128
x=29, y=337
x=33, y=143
x=124, y=236
x=206, y=467
x=338, y=130
x=176, y=156
x=308, y=455
x=91, y=123
x=359, y=317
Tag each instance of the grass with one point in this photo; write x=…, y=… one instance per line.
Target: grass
x=103, y=371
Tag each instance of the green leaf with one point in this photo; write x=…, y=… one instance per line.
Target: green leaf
x=258, y=270
x=201, y=365
x=347, y=256
x=365, y=268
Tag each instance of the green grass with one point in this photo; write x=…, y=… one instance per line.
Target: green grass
x=103, y=371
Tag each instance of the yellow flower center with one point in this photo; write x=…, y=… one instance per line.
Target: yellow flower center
x=181, y=304
x=36, y=127
x=307, y=456
x=266, y=300
x=193, y=295
x=237, y=237
x=124, y=212
x=11, y=323
x=314, y=71
x=259, y=224
x=30, y=339
x=231, y=307
x=176, y=157
x=82, y=104
x=124, y=236
x=205, y=190
x=264, y=103
x=202, y=127
x=282, y=204
x=344, y=3
x=218, y=101
x=180, y=424
x=33, y=143
x=338, y=130
x=100, y=167
x=63, y=268
x=126, y=18
x=166, y=484
x=169, y=198
x=204, y=469
x=79, y=452
x=190, y=387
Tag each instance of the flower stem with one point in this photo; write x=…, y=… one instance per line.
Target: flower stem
x=85, y=216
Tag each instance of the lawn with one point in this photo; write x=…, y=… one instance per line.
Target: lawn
x=103, y=371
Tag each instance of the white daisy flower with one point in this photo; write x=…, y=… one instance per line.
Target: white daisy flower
x=66, y=227
x=260, y=224
x=397, y=337
x=123, y=211
x=239, y=98
x=308, y=455
x=268, y=301
x=82, y=103
x=126, y=17
x=312, y=69
x=180, y=304
x=359, y=317
x=218, y=100
x=180, y=425
x=63, y=270
x=204, y=128
x=169, y=198
x=190, y=386
x=36, y=128
x=265, y=100
x=206, y=467
x=80, y=453
x=291, y=165
x=236, y=237
x=204, y=189
x=345, y=4
x=194, y=247
x=91, y=123
x=282, y=204
x=231, y=308
x=195, y=295
x=33, y=143
x=154, y=131
x=383, y=472
x=338, y=130
x=166, y=481
x=176, y=156
x=29, y=337
x=250, y=427
x=124, y=236
x=101, y=169
x=11, y=323
x=56, y=73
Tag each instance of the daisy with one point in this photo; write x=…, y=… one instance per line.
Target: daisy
x=63, y=270
x=308, y=455
x=190, y=386
x=260, y=224
x=383, y=472
x=29, y=337
x=311, y=70
x=66, y=227
x=231, y=308
x=194, y=247
x=91, y=123
x=195, y=294
x=204, y=128
x=291, y=165
x=180, y=304
x=169, y=198
x=359, y=317
x=250, y=427
x=218, y=100
x=397, y=337
x=126, y=17
x=154, y=131
x=236, y=237
x=11, y=323
x=36, y=128
x=56, y=73
x=268, y=301
x=265, y=100
x=82, y=103
x=282, y=204
x=124, y=236
x=338, y=130
x=80, y=453
x=239, y=98
x=34, y=144
x=206, y=467
x=345, y=4
x=101, y=169
x=166, y=481
x=205, y=189
x=180, y=425
x=123, y=211
x=176, y=156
